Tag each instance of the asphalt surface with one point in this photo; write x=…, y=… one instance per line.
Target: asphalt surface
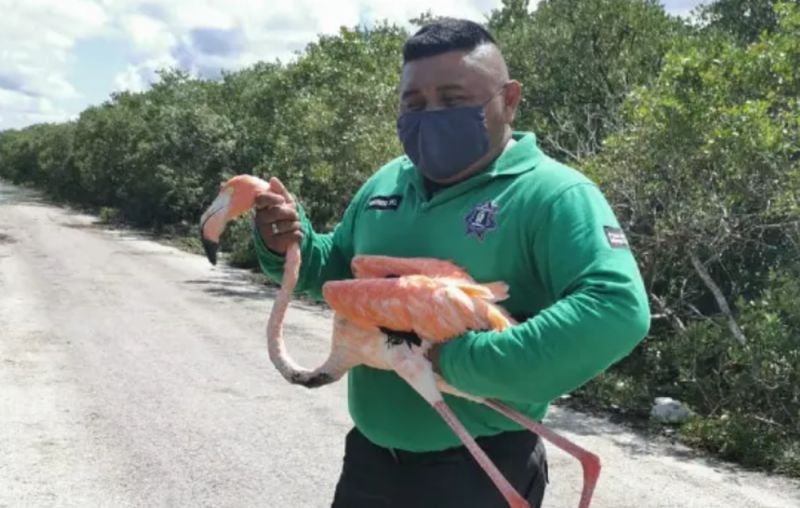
x=133, y=374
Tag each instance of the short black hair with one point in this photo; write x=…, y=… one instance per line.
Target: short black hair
x=444, y=35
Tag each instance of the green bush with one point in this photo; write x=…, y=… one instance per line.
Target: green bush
x=705, y=175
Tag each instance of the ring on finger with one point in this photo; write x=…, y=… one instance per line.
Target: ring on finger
x=275, y=229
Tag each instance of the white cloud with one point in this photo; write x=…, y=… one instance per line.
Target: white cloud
x=36, y=40
x=20, y=109
x=208, y=34
x=38, y=37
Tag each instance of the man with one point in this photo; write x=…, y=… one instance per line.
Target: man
x=471, y=190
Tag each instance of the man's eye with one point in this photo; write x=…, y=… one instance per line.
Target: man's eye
x=451, y=101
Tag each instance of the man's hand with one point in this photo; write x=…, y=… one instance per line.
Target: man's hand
x=277, y=219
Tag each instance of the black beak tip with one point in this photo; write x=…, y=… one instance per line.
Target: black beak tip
x=211, y=251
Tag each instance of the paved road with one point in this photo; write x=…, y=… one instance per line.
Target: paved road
x=135, y=375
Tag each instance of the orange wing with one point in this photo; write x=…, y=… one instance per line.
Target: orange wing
x=436, y=309
x=380, y=267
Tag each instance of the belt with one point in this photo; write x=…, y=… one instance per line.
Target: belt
x=504, y=440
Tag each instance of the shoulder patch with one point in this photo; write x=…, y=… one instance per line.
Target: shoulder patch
x=384, y=202
x=481, y=219
x=616, y=237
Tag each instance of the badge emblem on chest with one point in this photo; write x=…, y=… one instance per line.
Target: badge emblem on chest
x=481, y=219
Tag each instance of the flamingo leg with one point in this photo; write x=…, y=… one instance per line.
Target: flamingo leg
x=589, y=461
x=418, y=372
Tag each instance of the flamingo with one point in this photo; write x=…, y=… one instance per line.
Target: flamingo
x=388, y=318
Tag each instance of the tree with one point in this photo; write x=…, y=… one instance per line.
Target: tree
x=746, y=20
x=706, y=180
x=577, y=60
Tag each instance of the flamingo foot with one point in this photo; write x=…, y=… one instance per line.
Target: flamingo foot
x=589, y=461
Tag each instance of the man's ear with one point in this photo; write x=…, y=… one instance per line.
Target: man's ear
x=513, y=96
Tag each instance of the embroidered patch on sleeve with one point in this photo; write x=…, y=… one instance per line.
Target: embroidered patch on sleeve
x=385, y=202
x=616, y=237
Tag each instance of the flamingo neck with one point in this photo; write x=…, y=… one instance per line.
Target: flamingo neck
x=280, y=358
x=275, y=345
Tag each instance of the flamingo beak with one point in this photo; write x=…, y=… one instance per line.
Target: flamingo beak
x=212, y=223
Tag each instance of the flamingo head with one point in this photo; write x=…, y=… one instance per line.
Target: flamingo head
x=236, y=197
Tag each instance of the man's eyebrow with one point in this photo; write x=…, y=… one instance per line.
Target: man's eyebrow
x=444, y=88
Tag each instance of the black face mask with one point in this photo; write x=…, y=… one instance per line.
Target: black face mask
x=444, y=142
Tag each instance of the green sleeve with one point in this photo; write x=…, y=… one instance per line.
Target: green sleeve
x=324, y=256
x=601, y=312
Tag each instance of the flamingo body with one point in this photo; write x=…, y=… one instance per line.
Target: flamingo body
x=388, y=318
x=435, y=308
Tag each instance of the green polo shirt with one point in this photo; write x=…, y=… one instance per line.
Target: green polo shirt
x=536, y=224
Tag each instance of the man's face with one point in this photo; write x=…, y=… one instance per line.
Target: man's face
x=458, y=79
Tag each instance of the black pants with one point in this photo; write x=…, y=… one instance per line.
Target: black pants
x=374, y=477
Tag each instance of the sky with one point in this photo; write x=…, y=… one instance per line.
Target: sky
x=59, y=56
